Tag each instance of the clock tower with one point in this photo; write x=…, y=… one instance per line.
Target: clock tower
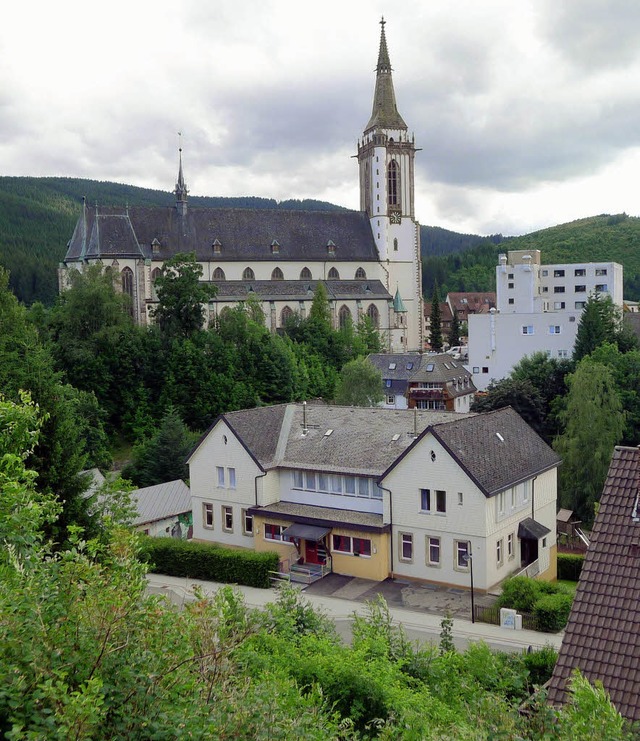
x=386, y=155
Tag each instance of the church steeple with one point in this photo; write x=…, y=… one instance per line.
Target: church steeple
x=181, y=190
x=385, y=112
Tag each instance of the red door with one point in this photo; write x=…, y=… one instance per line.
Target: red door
x=311, y=551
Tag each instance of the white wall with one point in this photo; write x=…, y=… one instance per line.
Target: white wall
x=213, y=452
x=497, y=342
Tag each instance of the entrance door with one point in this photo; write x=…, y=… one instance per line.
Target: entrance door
x=315, y=552
x=311, y=551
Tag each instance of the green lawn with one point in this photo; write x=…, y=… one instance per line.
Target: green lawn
x=569, y=586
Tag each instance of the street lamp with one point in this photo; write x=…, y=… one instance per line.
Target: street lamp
x=468, y=561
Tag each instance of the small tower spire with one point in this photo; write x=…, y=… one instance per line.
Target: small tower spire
x=385, y=112
x=181, y=190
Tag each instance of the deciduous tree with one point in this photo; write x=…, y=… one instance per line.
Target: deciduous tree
x=360, y=384
x=181, y=296
x=593, y=420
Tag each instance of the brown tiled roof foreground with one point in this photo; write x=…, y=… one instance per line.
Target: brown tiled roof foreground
x=602, y=638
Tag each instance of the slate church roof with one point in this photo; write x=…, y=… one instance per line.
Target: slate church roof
x=245, y=235
x=602, y=637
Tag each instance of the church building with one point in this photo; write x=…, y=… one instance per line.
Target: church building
x=368, y=260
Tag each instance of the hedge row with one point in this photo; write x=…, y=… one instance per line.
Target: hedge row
x=549, y=603
x=570, y=566
x=208, y=562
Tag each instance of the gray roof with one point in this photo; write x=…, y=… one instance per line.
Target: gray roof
x=244, y=234
x=328, y=516
x=497, y=449
x=299, y=290
x=422, y=368
x=158, y=502
x=602, y=637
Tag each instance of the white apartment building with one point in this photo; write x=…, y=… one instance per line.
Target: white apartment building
x=538, y=308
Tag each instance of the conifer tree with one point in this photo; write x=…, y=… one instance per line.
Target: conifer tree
x=454, y=332
x=435, y=339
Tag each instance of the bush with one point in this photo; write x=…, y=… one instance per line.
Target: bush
x=552, y=612
x=209, y=562
x=540, y=664
x=519, y=593
x=570, y=566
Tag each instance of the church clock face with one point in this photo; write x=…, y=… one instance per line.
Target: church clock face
x=395, y=217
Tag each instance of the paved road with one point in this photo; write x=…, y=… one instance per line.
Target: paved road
x=419, y=624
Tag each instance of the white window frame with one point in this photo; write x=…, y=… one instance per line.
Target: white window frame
x=461, y=547
x=207, y=516
x=528, y=329
x=433, y=541
x=220, y=473
x=555, y=329
x=227, y=518
x=405, y=539
x=247, y=522
x=232, y=477
x=510, y=546
x=500, y=552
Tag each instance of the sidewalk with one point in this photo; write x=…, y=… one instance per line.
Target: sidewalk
x=419, y=623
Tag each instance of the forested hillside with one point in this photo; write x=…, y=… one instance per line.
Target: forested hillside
x=37, y=217
x=595, y=239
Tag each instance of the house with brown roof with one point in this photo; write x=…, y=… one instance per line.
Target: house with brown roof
x=373, y=492
x=602, y=637
x=433, y=381
x=470, y=302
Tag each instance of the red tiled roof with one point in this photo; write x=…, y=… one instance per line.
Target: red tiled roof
x=602, y=638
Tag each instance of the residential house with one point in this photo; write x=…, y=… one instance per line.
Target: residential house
x=470, y=302
x=602, y=637
x=538, y=308
x=424, y=381
x=278, y=256
x=373, y=492
x=163, y=510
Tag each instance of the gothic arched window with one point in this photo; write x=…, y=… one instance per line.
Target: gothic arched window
x=285, y=315
x=248, y=274
x=218, y=274
x=374, y=315
x=155, y=273
x=127, y=281
x=277, y=274
x=127, y=285
x=393, y=183
x=344, y=316
x=334, y=274
x=360, y=274
x=305, y=274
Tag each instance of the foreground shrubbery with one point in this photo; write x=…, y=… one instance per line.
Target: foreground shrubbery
x=549, y=603
x=209, y=562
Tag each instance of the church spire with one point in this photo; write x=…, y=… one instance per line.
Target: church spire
x=181, y=190
x=385, y=112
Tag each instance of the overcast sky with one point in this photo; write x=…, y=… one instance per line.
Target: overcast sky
x=527, y=112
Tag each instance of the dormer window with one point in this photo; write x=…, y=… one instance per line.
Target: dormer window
x=331, y=248
x=155, y=246
x=275, y=247
x=217, y=246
